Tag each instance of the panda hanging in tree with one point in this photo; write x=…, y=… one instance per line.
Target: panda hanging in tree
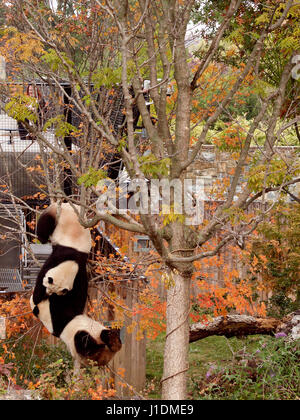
x=60, y=294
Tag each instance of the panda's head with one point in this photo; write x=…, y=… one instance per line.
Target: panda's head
x=60, y=279
x=89, y=339
x=60, y=225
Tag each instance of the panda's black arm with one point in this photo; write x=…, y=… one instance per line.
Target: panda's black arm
x=45, y=226
x=36, y=311
x=39, y=292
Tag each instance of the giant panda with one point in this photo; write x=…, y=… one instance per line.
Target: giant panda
x=63, y=278
x=60, y=279
x=59, y=224
x=85, y=338
x=60, y=293
x=42, y=312
x=63, y=307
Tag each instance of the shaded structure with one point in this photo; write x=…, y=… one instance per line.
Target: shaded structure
x=19, y=160
x=11, y=248
x=17, y=180
x=10, y=280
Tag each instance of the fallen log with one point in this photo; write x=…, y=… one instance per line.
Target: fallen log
x=243, y=325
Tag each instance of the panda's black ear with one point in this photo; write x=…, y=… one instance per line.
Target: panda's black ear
x=104, y=336
x=111, y=337
x=50, y=280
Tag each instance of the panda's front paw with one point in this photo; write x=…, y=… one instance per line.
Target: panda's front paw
x=34, y=308
x=36, y=311
x=111, y=337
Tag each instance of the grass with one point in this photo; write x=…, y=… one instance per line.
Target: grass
x=253, y=368
x=221, y=368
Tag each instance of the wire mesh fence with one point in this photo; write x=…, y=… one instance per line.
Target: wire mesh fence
x=18, y=146
x=10, y=281
x=21, y=175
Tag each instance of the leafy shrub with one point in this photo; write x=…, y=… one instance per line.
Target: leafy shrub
x=48, y=370
x=59, y=383
x=275, y=260
x=270, y=373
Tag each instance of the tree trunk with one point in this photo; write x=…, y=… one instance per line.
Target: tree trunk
x=243, y=325
x=233, y=326
x=174, y=382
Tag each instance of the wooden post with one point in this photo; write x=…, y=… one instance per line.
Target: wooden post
x=128, y=365
x=2, y=328
x=132, y=357
x=53, y=341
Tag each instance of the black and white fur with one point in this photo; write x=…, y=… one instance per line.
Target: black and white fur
x=59, y=224
x=89, y=339
x=63, y=307
x=85, y=338
x=71, y=244
x=60, y=294
x=60, y=279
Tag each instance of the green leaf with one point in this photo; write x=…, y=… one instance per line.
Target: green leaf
x=122, y=144
x=55, y=62
x=22, y=107
x=92, y=177
x=153, y=167
x=61, y=127
x=107, y=77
